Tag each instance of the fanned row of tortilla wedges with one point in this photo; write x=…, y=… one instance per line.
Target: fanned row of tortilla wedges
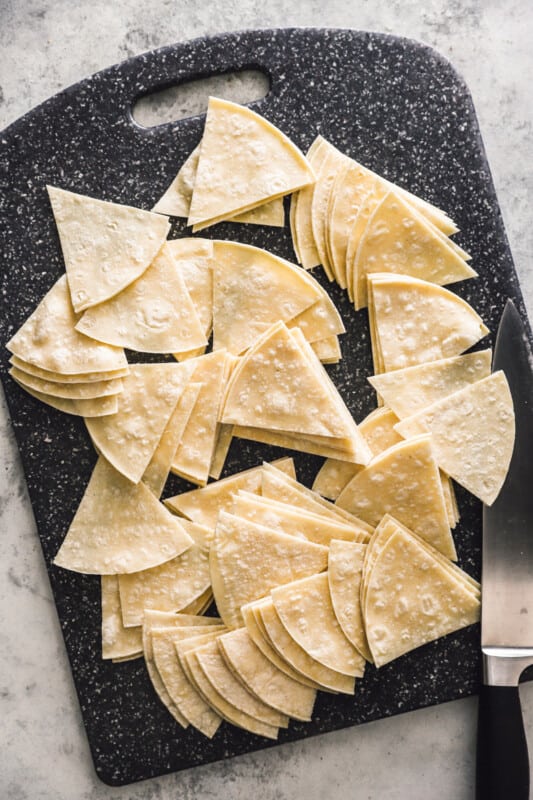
x=356, y=223
x=305, y=598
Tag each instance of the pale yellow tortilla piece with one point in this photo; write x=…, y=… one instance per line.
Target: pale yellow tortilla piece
x=412, y=599
x=345, y=568
x=379, y=433
x=203, y=505
x=336, y=448
x=298, y=658
x=260, y=638
x=244, y=161
x=48, y=340
x=96, y=407
x=179, y=689
x=56, y=377
x=117, y=641
x=68, y=391
x=106, y=246
x=292, y=521
x=375, y=190
x=306, y=612
x=330, y=166
x=347, y=195
x=153, y=619
x=119, y=528
x=193, y=260
x=247, y=560
x=405, y=481
x=252, y=290
x=171, y=586
x=472, y=434
x=193, y=457
x=275, y=387
x=199, y=679
x=132, y=657
x=307, y=253
x=224, y=439
x=232, y=690
x=156, y=473
x=263, y=679
x=320, y=321
x=155, y=314
x=417, y=321
x=176, y=200
x=130, y=437
x=286, y=489
x=397, y=239
x=407, y=391
x=328, y=350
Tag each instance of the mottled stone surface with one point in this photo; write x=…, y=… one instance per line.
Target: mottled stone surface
x=413, y=752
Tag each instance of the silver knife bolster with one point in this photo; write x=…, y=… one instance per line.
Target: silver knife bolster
x=502, y=666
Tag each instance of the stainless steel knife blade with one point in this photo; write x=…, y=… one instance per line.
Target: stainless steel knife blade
x=507, y=562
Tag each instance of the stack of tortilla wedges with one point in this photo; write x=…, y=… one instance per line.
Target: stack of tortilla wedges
x=307, y=591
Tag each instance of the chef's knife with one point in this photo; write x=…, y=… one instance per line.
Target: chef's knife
x=507, y=587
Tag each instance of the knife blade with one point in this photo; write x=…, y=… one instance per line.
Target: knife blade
x=507, y=587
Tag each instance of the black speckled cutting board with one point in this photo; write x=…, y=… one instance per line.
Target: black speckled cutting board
x=393, y=104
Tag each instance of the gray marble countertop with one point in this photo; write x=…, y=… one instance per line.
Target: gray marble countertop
x=46, y=45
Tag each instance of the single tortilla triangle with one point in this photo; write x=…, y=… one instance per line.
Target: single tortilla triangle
x=407, y=391
x=48, y=340
x=119, y=527
x=171, y=586
x=176, y=201
x=424, y=601
x=232, y=690
x=375, y=191
x=328, y=350
x=402, y=311
x=472, y=433
x=301, y=203
x=194, y=454
x=182, y=693
x=106, y=246
x=155, y=314
x=345, y=568
x=398, y=239
x=326, y=678
x=203, y=505
x=263, y=679
x=253, y=289
x=129, y=438
x=276, y=386
x=248, y=560
x=193, y=260
x=405, y=481
x=156, y=473
x=292, y=521
x=378, y=431
x=244, y=162
x=321, y=321
x=117, y=641
x=306, y=612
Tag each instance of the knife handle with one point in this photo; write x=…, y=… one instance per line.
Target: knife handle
x=502, y=756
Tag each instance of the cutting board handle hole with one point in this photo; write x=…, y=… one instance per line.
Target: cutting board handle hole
x=191, y=98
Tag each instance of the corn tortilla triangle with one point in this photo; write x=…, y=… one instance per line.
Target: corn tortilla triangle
x=106, y=246
x=129, y=438
x=345, y=568
x=302, y=230
x=119, y=527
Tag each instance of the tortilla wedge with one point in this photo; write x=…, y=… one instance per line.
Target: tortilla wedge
x=248, y=560
x=301, y=227
x=117, y=641
x=231, y=180
x=91, y=407
x=106, y=246
x=119, y=527
x=345, y=568
x=472, y=434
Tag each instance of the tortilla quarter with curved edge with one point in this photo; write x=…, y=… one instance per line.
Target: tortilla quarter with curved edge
x=154, y=314
x=106, y=246
x=244, y=162
x=93, y=408
x=472, y=433
x=345, y=568
x=263, y=679
x=56, y=377
x=306, y=612
x=68, y=391
x=120, y=527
